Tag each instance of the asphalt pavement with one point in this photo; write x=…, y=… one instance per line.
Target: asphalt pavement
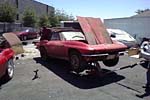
x=35, y=79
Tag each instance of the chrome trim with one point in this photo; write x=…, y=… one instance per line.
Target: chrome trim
x=95, y=55
x=106, y=54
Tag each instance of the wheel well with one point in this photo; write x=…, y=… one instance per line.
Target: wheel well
x=72, y=50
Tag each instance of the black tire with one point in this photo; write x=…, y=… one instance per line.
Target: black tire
x=23, y=38
x=76, y=61
x=9, y=69
x=43, y=54
x=111, y=62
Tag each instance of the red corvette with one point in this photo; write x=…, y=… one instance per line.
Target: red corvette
x=71, y=45
x=6, y=60
x=89, y=43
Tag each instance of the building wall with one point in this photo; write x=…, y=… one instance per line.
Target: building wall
x=138, y=27
x=12, y=2
x=39, y=8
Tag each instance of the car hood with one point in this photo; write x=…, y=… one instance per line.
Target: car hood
x=18, y=33
x=94, y=30
x=14, y=42
x=108, y=48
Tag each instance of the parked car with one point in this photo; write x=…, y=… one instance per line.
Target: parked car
x=27, y=34
x=6, y=60
x=123, y=37
x=71, y=45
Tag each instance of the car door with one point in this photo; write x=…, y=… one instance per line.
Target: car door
x=33, y=33
x=55, y=46
x=30, y=33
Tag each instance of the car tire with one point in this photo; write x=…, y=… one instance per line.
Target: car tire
x=43, y=54
x=23, y=38
x=9, y=69
x=76, y=61
x=111, y=62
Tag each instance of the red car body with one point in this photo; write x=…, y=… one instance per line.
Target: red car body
x=5, y=56
x=89, y=44
x=60, y=49
x=65, y=49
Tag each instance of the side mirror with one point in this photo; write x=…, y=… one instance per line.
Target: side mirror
x=112, y=35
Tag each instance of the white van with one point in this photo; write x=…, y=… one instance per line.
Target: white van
x=123, y=37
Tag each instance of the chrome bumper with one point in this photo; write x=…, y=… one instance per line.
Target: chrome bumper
x=101, y=55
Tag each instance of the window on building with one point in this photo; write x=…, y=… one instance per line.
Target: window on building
x=17, y=3
x=17, y=17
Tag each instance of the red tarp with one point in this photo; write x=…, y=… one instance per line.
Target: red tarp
x=94, y=30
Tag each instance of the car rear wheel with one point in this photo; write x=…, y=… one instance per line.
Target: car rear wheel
x=43, y=54
x=111, y=62
x=76, y=61
x=10, y=69
x=23, y=38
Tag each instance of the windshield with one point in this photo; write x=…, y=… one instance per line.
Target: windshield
x=73, y=35
x=27, y=30
x=120, y=35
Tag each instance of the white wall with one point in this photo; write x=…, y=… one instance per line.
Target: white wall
x=138, y=27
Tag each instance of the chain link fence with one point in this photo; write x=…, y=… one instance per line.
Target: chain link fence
x=10, y=27
x=13, y=27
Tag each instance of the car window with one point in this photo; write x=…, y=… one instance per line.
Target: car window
x=73, y=35
x=55, y=36
x=30, y=30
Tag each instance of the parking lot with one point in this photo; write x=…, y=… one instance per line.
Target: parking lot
x=55, y=82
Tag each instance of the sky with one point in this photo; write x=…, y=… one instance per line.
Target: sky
x=104, y=9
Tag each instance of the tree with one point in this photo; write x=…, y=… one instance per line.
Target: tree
x=63, y=16
x=54, y=19
x=29, y=18
x=7, y=13
x=139, y=11
x=44, y=21
x=59, y=15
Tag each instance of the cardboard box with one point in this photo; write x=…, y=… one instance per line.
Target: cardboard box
x=133, y=51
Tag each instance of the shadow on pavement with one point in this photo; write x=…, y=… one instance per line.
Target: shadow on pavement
x=144, y=64
x=61, y=68
x=146, y=94
x=3, y=81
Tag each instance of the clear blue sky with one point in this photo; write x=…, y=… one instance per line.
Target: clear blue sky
x=103, y=9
